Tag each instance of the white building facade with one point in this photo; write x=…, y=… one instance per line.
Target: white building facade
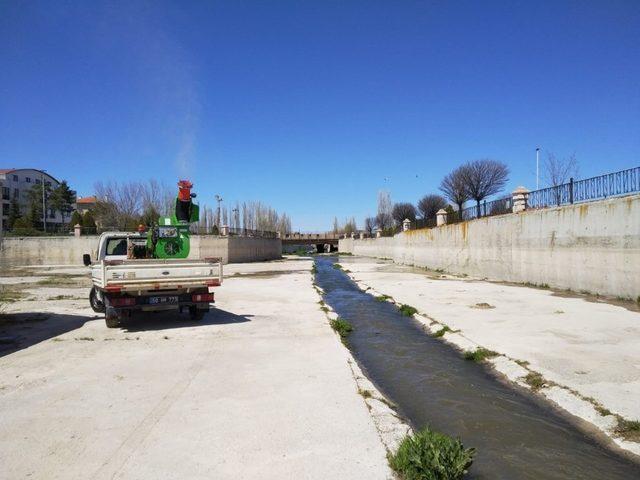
x=14, y=184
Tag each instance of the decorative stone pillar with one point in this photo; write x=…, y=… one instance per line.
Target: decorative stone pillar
x=77, y=230
x=224, y=230
x=361, y=235
x=353, y=235
x=520, y=196
x=406, y=225
x=441, y=217
x=278, y=235
x=378, y=232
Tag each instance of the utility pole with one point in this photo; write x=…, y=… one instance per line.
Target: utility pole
x=44, y=204
x=538, y=168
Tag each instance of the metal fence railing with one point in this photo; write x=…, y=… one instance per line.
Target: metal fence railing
x=234, y=232
x=614, y=184
x=499, y=206
x=245, y=232
x=423, y=223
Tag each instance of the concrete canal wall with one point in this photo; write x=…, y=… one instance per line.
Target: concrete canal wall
x=592, y=247
x=69, y=250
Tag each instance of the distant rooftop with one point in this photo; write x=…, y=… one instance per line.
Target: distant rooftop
x=4, y=171
x=86, y=200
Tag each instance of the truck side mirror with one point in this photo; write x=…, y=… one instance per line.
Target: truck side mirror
x=86, y=259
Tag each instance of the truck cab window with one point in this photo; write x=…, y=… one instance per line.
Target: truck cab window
x=117, y=246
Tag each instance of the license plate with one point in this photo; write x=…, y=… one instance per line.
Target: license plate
x=162, y=300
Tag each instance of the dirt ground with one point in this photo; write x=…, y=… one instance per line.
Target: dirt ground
x=261, y=388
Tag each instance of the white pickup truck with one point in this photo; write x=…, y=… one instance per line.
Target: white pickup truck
x=123, y=285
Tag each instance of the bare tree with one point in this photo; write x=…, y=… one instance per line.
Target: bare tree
x=336, y=226
x=118, y=205
x=483, y=178
x=350, y=226
x=369, y=225
x=429, y=205
x=454, y=188
x=558, y=171
x=402, y=211
x=384, y=218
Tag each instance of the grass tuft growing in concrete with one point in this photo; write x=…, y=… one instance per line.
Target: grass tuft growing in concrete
x=535, y=380
x=408, y=310
x=337, y=266
x=343, y=328
x=383, y=298
x=479, y=354
x=442, y=331
x=365, y=393
x=628, y=429
x=10, y=296
x=430, y=455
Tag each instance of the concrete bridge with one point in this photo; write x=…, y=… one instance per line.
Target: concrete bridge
x=329, y=239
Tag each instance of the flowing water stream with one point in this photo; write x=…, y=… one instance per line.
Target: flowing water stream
x=516, y=435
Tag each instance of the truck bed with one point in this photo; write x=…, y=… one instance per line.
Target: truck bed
x=156, y=274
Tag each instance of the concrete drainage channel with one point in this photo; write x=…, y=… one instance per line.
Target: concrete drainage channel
x=517, y=436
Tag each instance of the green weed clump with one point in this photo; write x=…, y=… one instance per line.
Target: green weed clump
x=342, y=327
x=408, y=310
x=628, y=429
x=479, y=354
x=314, y=269
x=383, y=298
x=337, y=266
x=442, y=331
x=535, y=380
x=430, y=455
x=10, y=296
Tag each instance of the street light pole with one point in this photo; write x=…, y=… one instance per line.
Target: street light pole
x=44, y=204
x=538, y=168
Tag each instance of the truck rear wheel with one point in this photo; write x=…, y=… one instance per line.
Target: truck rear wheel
x=196, y=313
x=96, y=304
x=111, y=318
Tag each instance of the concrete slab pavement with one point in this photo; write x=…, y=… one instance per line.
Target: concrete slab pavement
x=261, y=388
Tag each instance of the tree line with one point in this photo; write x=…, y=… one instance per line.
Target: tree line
x=125, y=205
x=42, y=202
x=473, y=181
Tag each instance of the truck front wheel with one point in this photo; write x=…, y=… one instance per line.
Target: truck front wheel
x=112, y=318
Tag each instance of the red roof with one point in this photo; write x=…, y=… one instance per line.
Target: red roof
x=6, y=170
x=86, y=200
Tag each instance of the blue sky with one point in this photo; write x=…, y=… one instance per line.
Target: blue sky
x=313, y=107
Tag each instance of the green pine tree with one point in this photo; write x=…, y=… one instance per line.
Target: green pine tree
x=88, y=223
x=62, y=199
x=14, y=213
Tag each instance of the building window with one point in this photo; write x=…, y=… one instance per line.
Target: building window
x=5, y=209
x=16, y=193
x=52, y=213
x=48, y=184
x=15, y=178
x=37, y=181
x=6, y=193
x=28, y=180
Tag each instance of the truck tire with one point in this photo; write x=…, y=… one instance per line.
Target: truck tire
x=111, y=318
x=196, y=314
x=96, y=304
